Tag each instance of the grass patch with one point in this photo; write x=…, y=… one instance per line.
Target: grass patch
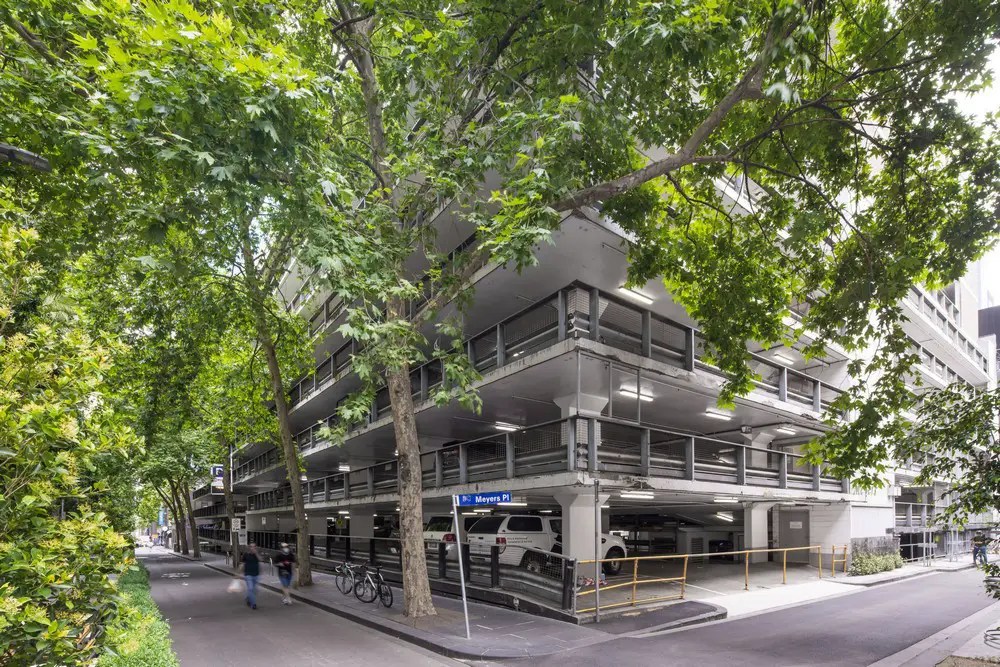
x=139, y=637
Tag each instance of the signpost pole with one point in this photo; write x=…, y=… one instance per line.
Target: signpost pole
x=461, y=565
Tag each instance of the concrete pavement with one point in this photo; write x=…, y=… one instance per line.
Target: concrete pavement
x=211, y=627
x=849, y=631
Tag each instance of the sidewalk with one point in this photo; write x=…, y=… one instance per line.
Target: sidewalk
x=496, y=633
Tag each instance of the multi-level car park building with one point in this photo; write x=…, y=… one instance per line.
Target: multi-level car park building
x=583, y=381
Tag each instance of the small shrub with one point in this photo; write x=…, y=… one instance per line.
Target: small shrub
x=872, y=563
x=139, y=637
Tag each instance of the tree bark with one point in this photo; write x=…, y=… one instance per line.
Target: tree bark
x=417, y=600
x=179, y=518
x=227, y=488
x=166, y=498
x=289, y=455
x=196, y=542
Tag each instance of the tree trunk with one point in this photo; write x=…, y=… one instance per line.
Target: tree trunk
x=417, y=600
x=289, y=455
x=227, y=488
x=179, y=518
x=196, y=541
x=166, y=498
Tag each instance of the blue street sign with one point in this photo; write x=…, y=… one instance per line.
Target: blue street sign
x=472, y=499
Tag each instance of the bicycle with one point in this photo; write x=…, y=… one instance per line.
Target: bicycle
x=367, y=588
x=346, y=577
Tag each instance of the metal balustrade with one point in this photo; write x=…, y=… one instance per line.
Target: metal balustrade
x=569, y=313
x=219, y=509
x=574, y=444
x=939, y=311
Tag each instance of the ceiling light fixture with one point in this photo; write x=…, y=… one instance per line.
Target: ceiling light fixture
x=787, y=430
x=724, y=499
x=725, y=516
x=504, y=426
x=712, y=413
x=482, y=511
x=637, y=495
x=343, y=467
x=605, y=507
x=630, y=393
x=513, y=504
x=635, y=296
x=783, y=358
x=343, y=512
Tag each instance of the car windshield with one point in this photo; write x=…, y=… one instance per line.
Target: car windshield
x=488, y=524
x=438, y=524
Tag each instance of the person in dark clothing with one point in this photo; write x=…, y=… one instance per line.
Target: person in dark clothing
x=285, y=561
x=251, y=573
x=979, y=548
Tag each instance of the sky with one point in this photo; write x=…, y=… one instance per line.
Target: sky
x=979, y=105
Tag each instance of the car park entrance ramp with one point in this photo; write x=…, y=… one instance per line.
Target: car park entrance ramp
x=647, y=580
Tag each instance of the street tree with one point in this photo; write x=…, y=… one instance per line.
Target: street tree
x=833, y=125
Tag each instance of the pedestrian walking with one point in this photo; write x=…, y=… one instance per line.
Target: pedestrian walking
x=251, y=572
x=979, y=548
x=285, y=561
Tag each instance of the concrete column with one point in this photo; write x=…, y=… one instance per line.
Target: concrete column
x=829, y=526
x=362, y=522
x=578, y=522
x=316, y=522
x=755, y=520
x=761, y=441
x=590, y=405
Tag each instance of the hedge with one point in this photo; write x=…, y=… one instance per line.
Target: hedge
x=869, y=563
x=139, y=637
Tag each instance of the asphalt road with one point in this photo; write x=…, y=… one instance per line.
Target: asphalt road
x=853, y=630
x=211, y=627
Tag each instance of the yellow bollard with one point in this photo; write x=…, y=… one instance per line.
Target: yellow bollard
x=635, y=578
x=684, y=580
x=819, y=550
x=784, y=566
x=746, y=568
x=833, y=561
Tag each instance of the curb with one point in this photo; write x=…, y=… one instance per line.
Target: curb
x=903, y=577
x=720, y=614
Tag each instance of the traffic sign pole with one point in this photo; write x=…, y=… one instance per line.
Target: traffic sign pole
x=461, y=566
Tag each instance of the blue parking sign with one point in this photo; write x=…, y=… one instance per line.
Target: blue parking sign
x=494, y=498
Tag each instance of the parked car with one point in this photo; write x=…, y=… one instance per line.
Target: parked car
x=522, y=537
x=437, y=529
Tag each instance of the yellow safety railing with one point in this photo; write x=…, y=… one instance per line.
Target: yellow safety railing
x=835, y=561
x=683, y=578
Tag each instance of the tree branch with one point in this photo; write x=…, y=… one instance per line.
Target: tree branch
x=32, y=41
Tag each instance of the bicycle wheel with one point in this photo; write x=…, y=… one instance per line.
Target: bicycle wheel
x=385, y=594
x=345, y=582
x=365, y=590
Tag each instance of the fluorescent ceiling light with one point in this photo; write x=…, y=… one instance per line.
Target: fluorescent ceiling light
x=397, y=509
x=605, y=507
x=717, y=414
x=783, y=358
x=514, y=504
x=303, y=478
x=518, y=354
x=637, y=494
x=504, y=426
x=787, y=430
x=724, y=499
x=482, y=511
x=725, y=516
x=344, y=468
x=635, y=296
x=375, y=515
x=343, y=512
x=546, y=511
x=631, y=394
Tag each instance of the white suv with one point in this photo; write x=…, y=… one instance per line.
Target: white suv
x=521, y=536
